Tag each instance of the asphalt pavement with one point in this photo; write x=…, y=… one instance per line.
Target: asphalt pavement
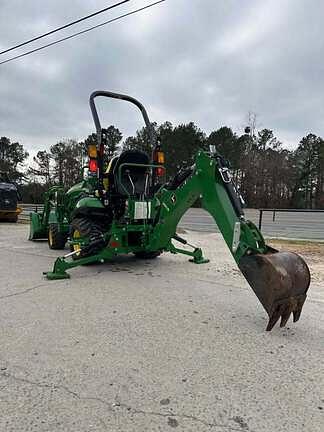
x=286, y=225
x=150, y=346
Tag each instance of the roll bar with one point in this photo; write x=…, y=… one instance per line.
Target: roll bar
x=122, y=97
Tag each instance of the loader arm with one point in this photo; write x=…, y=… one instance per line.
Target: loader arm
x=39, y=222
x=54, y=198
x=279, y=279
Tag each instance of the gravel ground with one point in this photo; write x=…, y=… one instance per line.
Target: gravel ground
x=152, y=346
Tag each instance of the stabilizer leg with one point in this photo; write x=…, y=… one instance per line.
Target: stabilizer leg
x=198, y=257
x=196, y=254
x=58, y=272
x=61, y=265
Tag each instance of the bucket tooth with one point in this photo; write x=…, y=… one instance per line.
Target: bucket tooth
x=297, y=312
x=274, y=317
x=285, y=315
x=280, y=280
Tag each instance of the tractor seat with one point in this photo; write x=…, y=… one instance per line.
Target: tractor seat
x=133, y=178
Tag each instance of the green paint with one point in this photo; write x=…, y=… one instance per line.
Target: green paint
x=93, y=202
x=167, y=208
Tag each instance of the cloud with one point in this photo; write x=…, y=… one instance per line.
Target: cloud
x=208, y=62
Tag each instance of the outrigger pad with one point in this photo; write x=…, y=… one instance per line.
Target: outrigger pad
x=56, y=276
x=280, y=280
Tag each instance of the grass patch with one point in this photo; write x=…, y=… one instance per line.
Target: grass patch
x=304, y=247
x=295, y=242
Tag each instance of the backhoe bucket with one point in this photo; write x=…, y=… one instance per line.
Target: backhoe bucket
x=36, y=229
x=280, y=280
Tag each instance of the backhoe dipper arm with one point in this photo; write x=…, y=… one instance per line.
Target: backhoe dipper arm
x=279, y=279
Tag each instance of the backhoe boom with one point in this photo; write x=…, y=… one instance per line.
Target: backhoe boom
x=205, y=182
x=280, y=280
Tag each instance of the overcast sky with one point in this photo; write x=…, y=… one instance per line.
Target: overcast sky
x=207, y=61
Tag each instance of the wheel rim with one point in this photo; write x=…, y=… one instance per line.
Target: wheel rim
x=76, y=246
x=50, y=237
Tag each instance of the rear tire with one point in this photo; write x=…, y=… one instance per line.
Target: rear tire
x=56, y=239
x=147, y=255
x=85, y=228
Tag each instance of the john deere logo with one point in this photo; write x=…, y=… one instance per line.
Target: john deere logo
x=173, y=199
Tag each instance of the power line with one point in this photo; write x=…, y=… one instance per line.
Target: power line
x=81, y=32
x=64, y=26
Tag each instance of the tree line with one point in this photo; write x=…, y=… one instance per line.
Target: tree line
x=266, y=173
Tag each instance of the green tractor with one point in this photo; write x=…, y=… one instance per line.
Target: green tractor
x=128, y=208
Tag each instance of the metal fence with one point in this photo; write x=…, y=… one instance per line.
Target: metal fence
x=28, y=208
x=274, y=211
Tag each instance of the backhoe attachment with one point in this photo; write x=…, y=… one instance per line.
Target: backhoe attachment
x=280, y=280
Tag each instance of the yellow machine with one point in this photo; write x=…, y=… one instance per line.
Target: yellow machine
x=9, y=196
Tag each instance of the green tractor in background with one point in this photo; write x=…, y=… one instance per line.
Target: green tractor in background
x=128, y=208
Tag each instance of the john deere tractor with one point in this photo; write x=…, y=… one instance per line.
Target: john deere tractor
x=128, y=208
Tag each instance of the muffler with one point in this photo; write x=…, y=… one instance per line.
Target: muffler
x=280, y=280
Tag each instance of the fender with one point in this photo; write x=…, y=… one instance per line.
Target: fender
x=92, y=202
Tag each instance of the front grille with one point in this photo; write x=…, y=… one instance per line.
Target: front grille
x=8, y=200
